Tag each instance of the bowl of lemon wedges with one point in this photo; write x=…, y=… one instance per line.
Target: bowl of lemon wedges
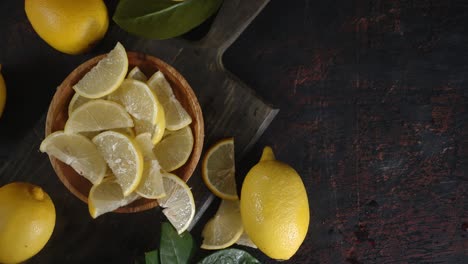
x=122, y=130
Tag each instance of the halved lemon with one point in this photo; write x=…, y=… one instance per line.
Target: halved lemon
x=123, y=156
x=106, y=76
x=178, y=204
x=97, y=115
x=138, y=99
x=225, y=228
x=151, y=184
x=76, y=101
x=107, y=196
x=174, y=149
x=218, y=170
x=176, y=116
x=137, y=74
x=78, y=152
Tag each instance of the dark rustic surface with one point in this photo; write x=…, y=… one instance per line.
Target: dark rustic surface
x=373, y=99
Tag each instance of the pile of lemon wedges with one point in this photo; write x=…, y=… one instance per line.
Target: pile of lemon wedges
x=125, y=134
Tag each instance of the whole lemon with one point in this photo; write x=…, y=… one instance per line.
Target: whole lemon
x=274, y=207
x=2, y=92
x=71, y=27
x=26, y=223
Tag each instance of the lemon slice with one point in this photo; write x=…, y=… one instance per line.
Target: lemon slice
x=76, y=101
x=176, y=116
x=151, y=184
x=137, y=74
x=138, y=100
x=97, y=115
x=106, y=76
x=78, y=152
x=174, y=149
x=225, y=228
x=244, y=240
x=124, y=158
x=107, y=196
x=218, y=170
x=178, y=204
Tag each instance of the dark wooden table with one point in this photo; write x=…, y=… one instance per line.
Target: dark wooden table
x=373, y=99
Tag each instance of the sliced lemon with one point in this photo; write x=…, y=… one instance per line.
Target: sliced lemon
x=106, y=76
x=176, y=116
x=137, y=74
x=178, y=204
x=76, y=101
x=244, y=240
x=156, y=131
x=151, y=184
x=124, y=130
x=174, y=149
x=97, y=115
x=107, y=196
x=225, y=228
x=78, y=152
x=218, y=170
x=123, y=156
x=146, y=146
x=138, y=99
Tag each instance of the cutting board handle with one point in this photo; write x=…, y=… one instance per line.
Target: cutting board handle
x=232, y=19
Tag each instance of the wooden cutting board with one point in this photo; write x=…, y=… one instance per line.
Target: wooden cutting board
x=230, y=109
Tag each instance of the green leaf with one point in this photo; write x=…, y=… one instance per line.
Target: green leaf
x=152, y=257
x=229, y=256
x=175, y=248
x=163, y=19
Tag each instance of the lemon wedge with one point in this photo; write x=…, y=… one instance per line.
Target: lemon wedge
x=244, y=240
x=123, y=156
x=176, y=116
x=156, y=131
x=137, y=74
x=98, y=115
x=76, y=101
x=151, y=185
x=218, y=170
x=107, y=196
x=225, y=228
x=138, y=100
x=106, y=76
x=178, y=204
x=78, y=152
x=174, y=149
x=124, y=130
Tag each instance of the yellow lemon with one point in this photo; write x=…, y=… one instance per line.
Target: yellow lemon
x=2, y=92
x=27, y=222
x=71, y=27
x=274, y=207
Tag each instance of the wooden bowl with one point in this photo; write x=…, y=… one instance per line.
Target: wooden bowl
x=58, y=114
